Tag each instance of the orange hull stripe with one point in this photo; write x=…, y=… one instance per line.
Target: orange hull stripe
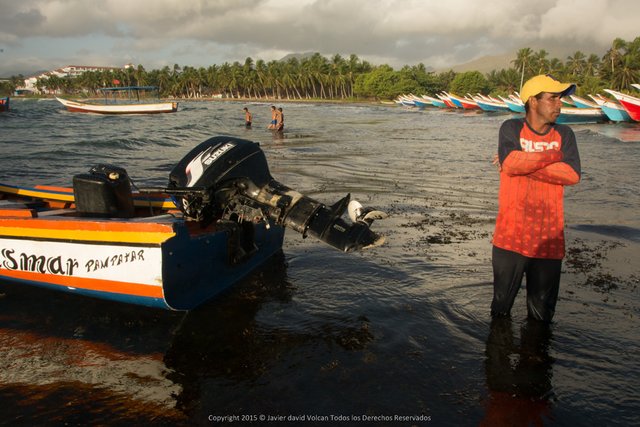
x=111, y=286
x=18, y=213
x=38, y=194
x=53, y=188
x=87, y=235
x=65, y=194
x=89, y=225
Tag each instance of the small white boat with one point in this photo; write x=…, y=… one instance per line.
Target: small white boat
x=129, y=106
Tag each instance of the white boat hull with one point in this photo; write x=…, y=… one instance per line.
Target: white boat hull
x=82, y=107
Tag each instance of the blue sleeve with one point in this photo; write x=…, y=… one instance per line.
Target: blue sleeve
x=509, y=137
x=570, y=153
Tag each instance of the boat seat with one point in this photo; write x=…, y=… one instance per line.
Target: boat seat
x=152, y=218
x=53, y=212
x=17, y=212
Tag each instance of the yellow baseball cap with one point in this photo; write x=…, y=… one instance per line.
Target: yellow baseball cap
x=545, y=83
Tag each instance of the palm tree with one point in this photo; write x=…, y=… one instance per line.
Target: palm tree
x=505, y=81
x=614, y=54
x=353, y=69
x=576, y=63
x=164, y=80
x=291, y=76
x=592, y=64
x=540, y=60
x=319, y=73
x=523, y=62
x=261, y=76
x=140, y=75
x=306, y=78
x=626, y=73
x=555, y=67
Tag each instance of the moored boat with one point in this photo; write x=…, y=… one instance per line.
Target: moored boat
x=630, y=103
x=613, y=110
x=406, y=101
x=430, y=100
x=582, y=102
x=463, y=102
x=491, y=104
x=4, y=104
x=439, y=103
x=514, y=104
x=221, y=217
x=574, y=115
x=447, y=100
x=132, y=105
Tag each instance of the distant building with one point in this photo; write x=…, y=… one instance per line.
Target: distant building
x=68, y=71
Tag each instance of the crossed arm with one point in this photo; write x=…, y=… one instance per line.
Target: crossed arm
x=546, y=166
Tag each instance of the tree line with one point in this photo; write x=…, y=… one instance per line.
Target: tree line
x=338, y=78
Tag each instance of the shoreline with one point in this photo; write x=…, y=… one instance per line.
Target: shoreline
x=246, y=100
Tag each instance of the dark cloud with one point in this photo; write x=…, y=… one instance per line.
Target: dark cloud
x=437, y=33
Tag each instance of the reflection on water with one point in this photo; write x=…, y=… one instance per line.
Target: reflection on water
x=67, y=360
x=399, y=330
x=519, y=374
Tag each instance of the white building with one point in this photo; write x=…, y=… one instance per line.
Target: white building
x=68, y=71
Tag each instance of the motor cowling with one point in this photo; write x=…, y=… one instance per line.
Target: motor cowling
x=223, y=176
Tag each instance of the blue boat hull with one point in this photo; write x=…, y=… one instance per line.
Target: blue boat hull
x=615, y=114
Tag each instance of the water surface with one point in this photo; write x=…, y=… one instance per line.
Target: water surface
x=402, y=330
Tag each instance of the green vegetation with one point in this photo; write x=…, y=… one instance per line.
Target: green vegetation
x=337, y=78
x=8, y=86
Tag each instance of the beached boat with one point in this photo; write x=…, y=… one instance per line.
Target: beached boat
x=434, y=102
x=438, y=103
x=447, y=100
x=134, y=103
x=574, y=115
x=420, y=103
x=580, y=102
x=630, y=103
x=221, y=217
x=614, y=111
x=514, y=104
x=405, y=100
x=491, y=105
x=4, y=104
x=463, y=102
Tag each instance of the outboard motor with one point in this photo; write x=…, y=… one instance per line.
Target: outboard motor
x=228, y=178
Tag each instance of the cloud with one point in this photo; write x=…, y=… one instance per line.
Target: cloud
x=201, y=32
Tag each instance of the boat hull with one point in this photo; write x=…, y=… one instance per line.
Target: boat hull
x=630, y=103
x=492, y=107
x=576, y=115
x=160, y=261
x=615, y=114
x=632, y=106
x=4, y=104
x=153, y=108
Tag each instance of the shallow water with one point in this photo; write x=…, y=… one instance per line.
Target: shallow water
x=398, y=331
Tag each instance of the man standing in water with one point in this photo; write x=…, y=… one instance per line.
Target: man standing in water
x=537, y=158
x=248, y=117
x=280, y=120
x=274, y=118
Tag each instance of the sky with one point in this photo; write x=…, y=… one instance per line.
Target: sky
x=40, y=35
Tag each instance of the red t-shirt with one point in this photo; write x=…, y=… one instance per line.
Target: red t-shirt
x=534, y=170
